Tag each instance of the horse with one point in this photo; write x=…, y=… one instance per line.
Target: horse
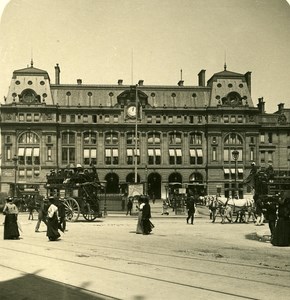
x=242, y=208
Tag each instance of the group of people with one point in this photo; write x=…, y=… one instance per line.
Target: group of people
x=50, y=211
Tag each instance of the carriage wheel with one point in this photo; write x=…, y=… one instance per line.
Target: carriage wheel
x=72, y=209
x=89, y=214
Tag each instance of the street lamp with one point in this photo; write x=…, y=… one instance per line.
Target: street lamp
x=15, y=160
x=235, y=155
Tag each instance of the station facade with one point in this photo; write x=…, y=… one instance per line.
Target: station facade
x=204, y=136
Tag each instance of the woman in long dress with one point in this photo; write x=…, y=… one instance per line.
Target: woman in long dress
x=52, y=221
x=10, y=211
x=139, y=207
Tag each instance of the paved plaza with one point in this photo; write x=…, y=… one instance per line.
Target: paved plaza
x=106, y=259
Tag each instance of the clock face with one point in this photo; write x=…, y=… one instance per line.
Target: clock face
x=131, y=111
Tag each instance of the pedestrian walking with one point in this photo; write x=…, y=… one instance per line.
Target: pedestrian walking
x=52, y=221
x=61, y=214
x=10, y=211
x=31, y=205
x=139, y=207
x=146, y=216
x=129, y=206
x=42, y=214
x=190, y=205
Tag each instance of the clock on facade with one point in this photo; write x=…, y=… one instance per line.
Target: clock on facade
x=131, y=111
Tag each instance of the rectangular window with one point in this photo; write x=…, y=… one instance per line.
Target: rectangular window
x=170, y=119
x=72, y=118
x=149, y=119
x=48, y=154
x=63, y=118
x=36, y=158
x=85, y=118
x=49, y=139
x=8, y=153
x=28, y=117
x=233, y=119
x=270, y=157
x=21, y=117
x=158, y=119
x=94, y=117
x=270, y=137
x=214, y=156
x=179, y=119
x=199, y=156
x=107, y=119
x=36, y=117
x=240, y=119
x=251, y=154
x=226, y=119
x=191, y=119
x=116, y=119
x=192, y=156
x=8, y=139
x=262, y=156
x=226, y=154
x=262, y=137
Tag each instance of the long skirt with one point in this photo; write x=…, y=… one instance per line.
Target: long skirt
x=281, y=236
x=147, y=226
x=11, y=231
x=52, y=229
x=139, y=223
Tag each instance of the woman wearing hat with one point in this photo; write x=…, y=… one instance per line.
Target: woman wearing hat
x=10, y=211
x=52, y=221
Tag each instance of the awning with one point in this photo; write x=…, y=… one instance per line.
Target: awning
x=227, y=171
x=138, y=152
x=233, y=171
x=150, y=152
x=129, y=152
x=108, y=152
x=171, y=152
x=115, y=153
x=86, y=153
x=36, y=152
x=199, y=152
x=93, y=153
x=157, y=152
x=178, y=152
x=240, y=171
x=192, y=152
x=21, y=152
x=28, y=152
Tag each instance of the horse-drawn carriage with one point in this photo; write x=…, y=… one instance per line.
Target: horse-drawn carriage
x=80, y=189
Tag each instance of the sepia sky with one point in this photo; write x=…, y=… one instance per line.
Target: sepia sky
x=101, y=41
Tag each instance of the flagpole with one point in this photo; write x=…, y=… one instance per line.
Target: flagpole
x=136, y=135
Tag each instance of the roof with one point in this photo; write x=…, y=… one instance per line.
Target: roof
x=30, y=71
x=225, y=74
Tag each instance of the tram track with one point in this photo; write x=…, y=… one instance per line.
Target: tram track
x=83, y=253
x=217, y=292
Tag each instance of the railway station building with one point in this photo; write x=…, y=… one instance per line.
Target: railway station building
x=202, y=134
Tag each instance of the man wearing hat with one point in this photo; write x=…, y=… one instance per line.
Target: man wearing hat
x=61, y=214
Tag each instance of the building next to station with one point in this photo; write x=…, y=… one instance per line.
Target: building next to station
x=203, y=135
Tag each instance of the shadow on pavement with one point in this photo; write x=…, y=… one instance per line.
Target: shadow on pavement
x=34, y=287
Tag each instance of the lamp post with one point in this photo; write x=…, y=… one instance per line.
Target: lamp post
x=235, y=155
x=15, y=160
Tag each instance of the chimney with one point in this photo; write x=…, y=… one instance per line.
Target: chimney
x=261, y=105
x=57, y=74
x=201, y=78
x=280, y=107
x=249, y=80
x=180, y=82
x=140, y=82
x=79, y=81
x=120, y=81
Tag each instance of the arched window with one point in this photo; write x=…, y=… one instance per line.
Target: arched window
x=28, y=150
x=29, y=96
